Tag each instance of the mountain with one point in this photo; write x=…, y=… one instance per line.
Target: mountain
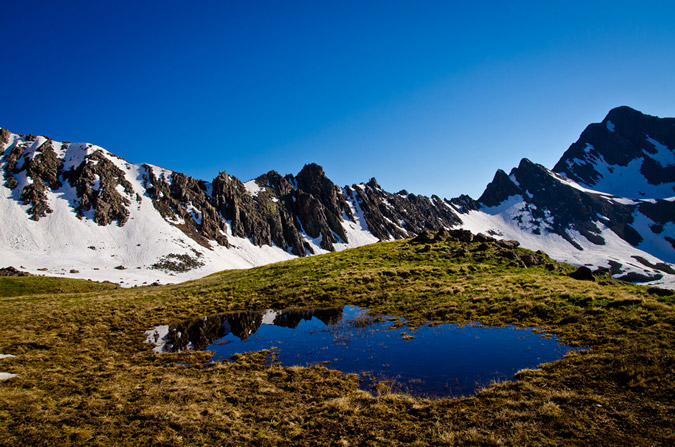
x=628, y=154
x=609, y=202
x=75, y=209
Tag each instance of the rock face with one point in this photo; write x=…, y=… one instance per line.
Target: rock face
x=34, y=167
x=96, y=181
x=283, y=211
x=40, y=169
x=401, y=215
x=626, y=145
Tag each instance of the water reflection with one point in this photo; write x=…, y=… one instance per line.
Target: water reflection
x=199, y=333
x=435, y=361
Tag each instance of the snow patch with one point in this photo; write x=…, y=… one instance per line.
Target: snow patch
x=269, y=317
x=196, y=214
x=158, y=337
x=659, y=247
x=252, y=187
x=356, y=231
x=627, y=181
x=624, y=201
x=97, y=182
x=664, y=155
x=4, y=375
x=610, y=126
x=589, y=147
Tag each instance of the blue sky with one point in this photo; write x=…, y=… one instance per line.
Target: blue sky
x=432, y=97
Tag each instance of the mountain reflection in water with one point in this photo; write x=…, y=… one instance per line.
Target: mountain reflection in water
x=435, y=361
x=199, y=333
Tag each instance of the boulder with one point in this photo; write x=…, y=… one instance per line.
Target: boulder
x=424, y=237
x=583, y=273
x=508, y=244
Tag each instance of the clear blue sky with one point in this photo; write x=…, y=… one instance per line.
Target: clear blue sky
x=429, y=96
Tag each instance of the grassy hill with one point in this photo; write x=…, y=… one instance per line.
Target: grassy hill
x=86, y=376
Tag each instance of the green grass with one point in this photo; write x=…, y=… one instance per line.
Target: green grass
x=87, y=377
x=36, y=285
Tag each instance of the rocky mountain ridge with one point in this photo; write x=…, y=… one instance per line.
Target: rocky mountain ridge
x=609, y=202
x=287, y=215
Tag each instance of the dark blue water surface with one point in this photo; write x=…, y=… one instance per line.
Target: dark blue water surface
x=434, y=361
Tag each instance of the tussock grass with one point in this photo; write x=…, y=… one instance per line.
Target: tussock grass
x=86, y=377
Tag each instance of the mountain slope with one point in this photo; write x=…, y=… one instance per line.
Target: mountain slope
x=77, y=210
x=609, y=201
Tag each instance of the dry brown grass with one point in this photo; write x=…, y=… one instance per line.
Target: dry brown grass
x=86, y=377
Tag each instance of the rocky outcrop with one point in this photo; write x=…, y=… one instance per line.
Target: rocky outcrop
x=500, y=188
x=178, y=263
x=11, y=271
x=41, y=168
x=265, y=218
x=582, y=273
x=4, y=136
x=96, y=181
x=184, y=202
x=11, y=160
x=400, y=215
x=464, y=203
x=480, y=247
x=296, y=213
x=320, y=206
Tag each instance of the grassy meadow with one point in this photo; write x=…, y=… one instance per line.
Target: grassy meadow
x=87, y=377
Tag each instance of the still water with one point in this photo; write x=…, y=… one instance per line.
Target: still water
x=433, y=361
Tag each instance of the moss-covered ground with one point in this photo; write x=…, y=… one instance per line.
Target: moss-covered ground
x=87, y=377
